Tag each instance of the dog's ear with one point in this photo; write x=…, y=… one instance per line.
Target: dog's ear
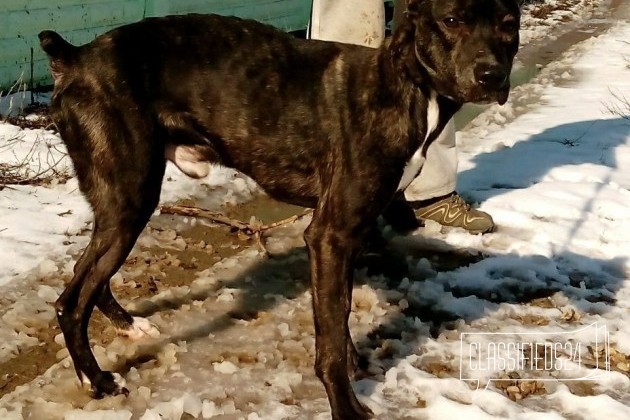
x=404, y=30
x=413, y=8
x=402, y=45
x=402, y=38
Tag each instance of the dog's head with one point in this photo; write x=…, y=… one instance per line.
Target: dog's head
x=464, y=47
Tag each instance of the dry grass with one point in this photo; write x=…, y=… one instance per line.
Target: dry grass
x=43, y=120
x=620, y=105
x=542, y=10
x=13, y=100
x=35, y=167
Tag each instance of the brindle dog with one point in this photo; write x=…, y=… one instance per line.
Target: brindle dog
x=339, y=128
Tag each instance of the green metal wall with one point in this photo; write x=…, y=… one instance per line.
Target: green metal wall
x=81, y=20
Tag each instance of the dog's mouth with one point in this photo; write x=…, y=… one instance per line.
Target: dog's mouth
x=488, y=97
x=503, y=95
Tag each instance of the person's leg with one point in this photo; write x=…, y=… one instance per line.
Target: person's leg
x=438, y=176
x=400, y=7
x=432, y=193
x=359, y=22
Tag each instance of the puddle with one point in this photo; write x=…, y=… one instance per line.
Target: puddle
x=31, y=362
x=263, y=209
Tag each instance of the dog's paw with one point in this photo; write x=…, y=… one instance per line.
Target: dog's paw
x=105, y=384
x=351, y=409
x=85, y=381
x=141, y=327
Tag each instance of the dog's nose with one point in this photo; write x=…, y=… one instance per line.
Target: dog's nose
x=491, y=77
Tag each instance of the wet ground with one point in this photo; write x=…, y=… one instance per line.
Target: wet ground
x=174, y=249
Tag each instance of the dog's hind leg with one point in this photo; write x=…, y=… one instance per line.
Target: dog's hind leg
x=110, y=307
x=114, y=235
x=120, y=172
x=125, y=324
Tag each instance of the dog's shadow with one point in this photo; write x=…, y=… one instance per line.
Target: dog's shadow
x=432, y=295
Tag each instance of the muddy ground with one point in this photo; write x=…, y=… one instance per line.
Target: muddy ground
x=196, y=245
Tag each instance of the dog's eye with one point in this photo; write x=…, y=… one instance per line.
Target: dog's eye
x=451, y=23
x=509, y=25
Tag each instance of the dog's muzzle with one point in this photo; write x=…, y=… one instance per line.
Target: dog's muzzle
x=492, y=83
x=491, y=78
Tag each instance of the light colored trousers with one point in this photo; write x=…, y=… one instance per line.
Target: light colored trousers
x=362, y=22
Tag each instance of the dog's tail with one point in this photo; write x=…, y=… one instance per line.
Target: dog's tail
x=61, y=53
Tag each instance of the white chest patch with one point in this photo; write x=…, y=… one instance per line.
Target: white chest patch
x=413, y=166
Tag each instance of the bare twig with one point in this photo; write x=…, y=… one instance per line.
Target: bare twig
x=620, y=107
x=32, y=168
x=286, y=221
x=18, y=89
x=210, y=215
x=250, y=229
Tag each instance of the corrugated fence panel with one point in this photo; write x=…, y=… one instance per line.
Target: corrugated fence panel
x=80, y=21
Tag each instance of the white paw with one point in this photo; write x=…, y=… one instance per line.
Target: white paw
x=120, y=381
x=85, y=381
x=140, y=328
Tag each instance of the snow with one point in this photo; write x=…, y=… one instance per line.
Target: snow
x=550, y=167
x=57, y=216
x=564, y=14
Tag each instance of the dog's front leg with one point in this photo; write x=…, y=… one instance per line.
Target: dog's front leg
x=400, y=215
x=332, y=249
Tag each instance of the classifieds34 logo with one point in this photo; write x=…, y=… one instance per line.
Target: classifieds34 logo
x=577, y=355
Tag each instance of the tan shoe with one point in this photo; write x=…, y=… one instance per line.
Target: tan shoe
x=454, y=211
